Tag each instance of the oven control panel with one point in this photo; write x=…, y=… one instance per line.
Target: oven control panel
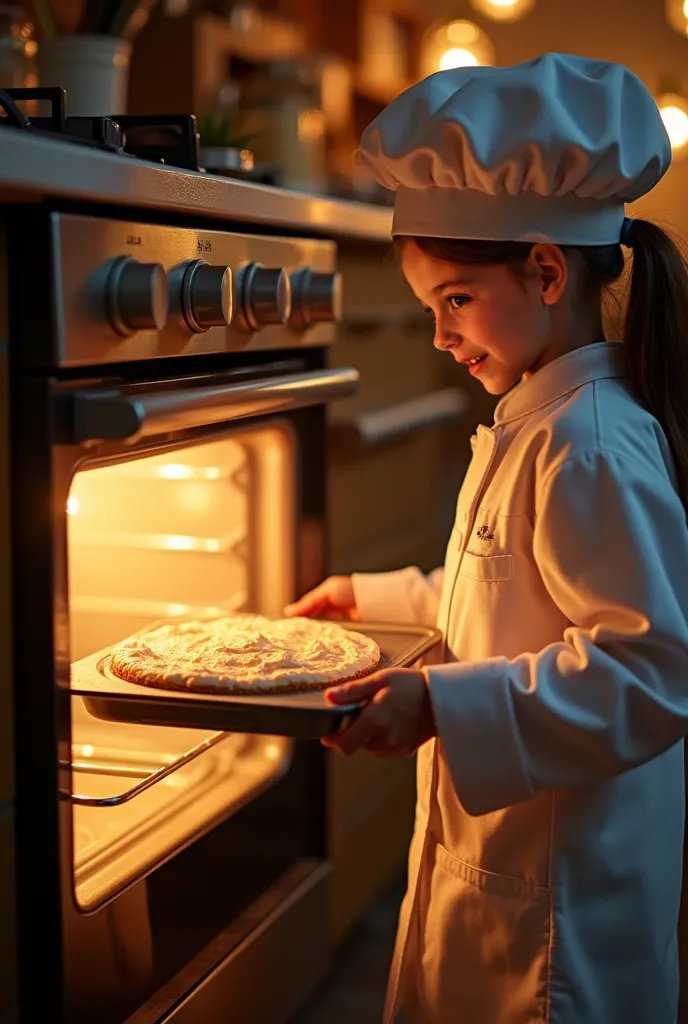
x=127, y=291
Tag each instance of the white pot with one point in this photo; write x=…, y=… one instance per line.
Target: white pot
x=94, y=70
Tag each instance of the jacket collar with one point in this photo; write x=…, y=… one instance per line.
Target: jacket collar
x=560, y=377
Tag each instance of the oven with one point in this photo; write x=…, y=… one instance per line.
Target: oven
x=169, y=390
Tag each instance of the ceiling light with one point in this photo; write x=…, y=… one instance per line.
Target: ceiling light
x=674, y=111
x=457, y=58
x=677, y=15
x=503, y=10
x=455, y=44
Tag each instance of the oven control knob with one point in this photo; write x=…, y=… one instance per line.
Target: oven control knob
x=207, y=296
x=265, y=295
x=137, y=296
x=315, y=297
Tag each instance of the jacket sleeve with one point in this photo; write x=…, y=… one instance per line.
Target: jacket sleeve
x=611, y=543
x=402, y=596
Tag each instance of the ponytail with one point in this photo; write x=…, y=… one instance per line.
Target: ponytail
x=656, y=336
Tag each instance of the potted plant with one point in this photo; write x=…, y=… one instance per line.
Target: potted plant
x=224, y=148
x=91, y=62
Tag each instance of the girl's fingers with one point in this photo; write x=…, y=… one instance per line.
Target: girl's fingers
x=310, y=604
x=332, y=613
x=355, y=737
x=357, y=690
x=319, y=605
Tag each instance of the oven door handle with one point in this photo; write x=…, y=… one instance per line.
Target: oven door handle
x=108, y=414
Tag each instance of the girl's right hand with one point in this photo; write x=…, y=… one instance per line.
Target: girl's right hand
x=332, y=599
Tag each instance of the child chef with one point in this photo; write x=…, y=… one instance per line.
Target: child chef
x=545, y=868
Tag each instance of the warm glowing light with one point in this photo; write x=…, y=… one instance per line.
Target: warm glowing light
x=503, y=10
x=175, y=471
x=73, y=506
x=311, y=126
x=674, y=111
x=677, y=15
x=461, y=33
x=143, y=608
x=155, y=541
x=273, y=752
x=194, y=497
x=676, y=124
x=457, y=58
x=178, y=542
x=455, y=44
x=87, y=750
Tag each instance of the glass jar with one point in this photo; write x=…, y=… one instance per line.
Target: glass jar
x=17, y=50
x=290, y=124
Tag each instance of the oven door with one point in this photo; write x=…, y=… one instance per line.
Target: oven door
x=164, y=873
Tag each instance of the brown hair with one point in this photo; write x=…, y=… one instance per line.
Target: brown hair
x=655, y=326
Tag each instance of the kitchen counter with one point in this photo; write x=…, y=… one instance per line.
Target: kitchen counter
x=32, y=168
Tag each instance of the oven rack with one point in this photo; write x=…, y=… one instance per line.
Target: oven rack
x=147, y=779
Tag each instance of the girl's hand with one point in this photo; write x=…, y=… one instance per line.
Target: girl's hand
x=333, y=599
x=396, y=720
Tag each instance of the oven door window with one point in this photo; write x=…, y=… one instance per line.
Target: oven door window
x=195, y=531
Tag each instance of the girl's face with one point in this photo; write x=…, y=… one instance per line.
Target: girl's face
x=485, y=312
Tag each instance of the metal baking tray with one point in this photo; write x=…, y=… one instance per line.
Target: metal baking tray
x=301, y=715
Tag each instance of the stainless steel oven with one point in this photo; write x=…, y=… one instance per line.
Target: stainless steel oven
x=168, y=413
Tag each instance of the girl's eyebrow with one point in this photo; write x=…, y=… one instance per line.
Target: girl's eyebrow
x=451, y=284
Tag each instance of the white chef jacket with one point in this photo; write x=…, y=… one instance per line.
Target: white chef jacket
x=545, y=868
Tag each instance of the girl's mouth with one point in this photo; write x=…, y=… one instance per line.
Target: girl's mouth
x=475, y=365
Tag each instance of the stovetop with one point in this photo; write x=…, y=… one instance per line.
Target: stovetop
x=170, y=139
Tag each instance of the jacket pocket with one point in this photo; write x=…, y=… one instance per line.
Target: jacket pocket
x=484, y=941
x=487, y=568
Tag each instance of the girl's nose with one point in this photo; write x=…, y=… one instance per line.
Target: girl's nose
x=443, y=339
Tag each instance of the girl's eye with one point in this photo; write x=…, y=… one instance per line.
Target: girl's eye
x=458, y=301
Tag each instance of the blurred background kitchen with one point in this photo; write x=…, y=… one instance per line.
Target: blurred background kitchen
x=282, y=90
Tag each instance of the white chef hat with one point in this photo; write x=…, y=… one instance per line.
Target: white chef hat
x=549, y=150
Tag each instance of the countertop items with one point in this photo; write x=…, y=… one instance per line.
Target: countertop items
x=34, y=166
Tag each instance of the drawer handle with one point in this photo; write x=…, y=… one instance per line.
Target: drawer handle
x=368, y=429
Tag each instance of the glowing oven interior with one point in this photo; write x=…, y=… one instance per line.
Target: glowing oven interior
x=198, y=531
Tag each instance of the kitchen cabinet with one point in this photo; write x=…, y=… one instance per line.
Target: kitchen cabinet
x=197, y=52
x=366, y=52
x=371, y=804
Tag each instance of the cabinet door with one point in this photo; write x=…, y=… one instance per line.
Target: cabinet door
x=371, y=807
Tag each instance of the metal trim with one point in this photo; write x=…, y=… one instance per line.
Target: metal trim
x=99, y=414
x=140, y=787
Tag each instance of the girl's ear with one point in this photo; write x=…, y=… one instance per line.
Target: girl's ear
x=548, y=264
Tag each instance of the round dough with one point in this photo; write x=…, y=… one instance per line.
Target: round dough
x=245, y=654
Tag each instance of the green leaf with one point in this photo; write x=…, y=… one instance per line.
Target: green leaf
x=219, y=128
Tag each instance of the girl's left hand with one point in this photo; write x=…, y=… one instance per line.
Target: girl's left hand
x=396, y=720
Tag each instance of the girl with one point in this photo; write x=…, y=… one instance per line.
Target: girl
x=545, y=868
